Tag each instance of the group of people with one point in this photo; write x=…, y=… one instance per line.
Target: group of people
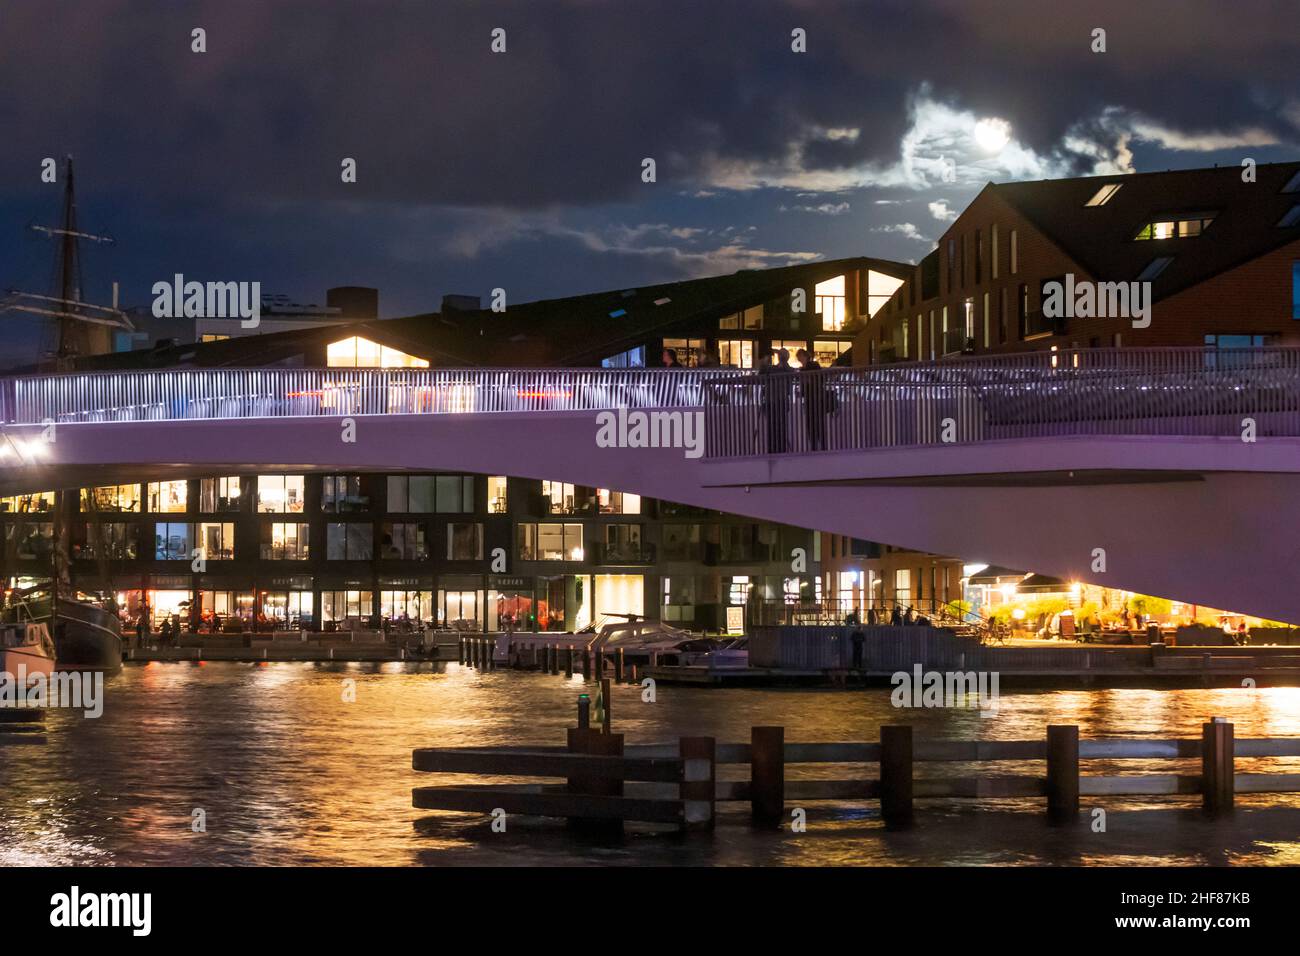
x=777, y=393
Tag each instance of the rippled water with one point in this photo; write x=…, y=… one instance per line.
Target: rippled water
x=289, y=773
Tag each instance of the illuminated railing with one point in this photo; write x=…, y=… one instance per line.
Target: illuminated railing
x=204, y=394
x=1207, y=392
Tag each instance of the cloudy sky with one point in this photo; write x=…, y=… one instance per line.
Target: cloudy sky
x=522, y=170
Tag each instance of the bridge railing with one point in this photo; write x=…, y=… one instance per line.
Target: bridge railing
x=1192, y=392
x=203, y=394
x=1133, y=391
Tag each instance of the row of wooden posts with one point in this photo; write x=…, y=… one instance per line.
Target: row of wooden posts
x=596, y=764
x=479, y=652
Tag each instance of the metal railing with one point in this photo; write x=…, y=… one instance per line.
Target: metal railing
x=1133, y=391
x=1170, y=392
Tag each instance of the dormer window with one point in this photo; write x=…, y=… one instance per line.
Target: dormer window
x=1292, y=184
x=1183, y=227
x=1104, y=194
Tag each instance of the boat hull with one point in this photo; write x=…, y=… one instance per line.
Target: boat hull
x=30, y=659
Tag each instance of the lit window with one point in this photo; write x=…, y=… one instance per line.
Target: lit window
x=1292, y=217
x=1176, y=228
x=358, y=352
x=738, y=353
x=1104, y=194
x=168, y=496
x=632, y=358
x=497, y=494
x=278, y=494
x=830, y=303
x=880, y=288
x=790, y=346
x=687, y=350
x=1154, y=268
x=618, y=313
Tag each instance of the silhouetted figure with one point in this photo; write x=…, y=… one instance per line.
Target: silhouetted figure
x=896, y=618
x=872, y=618
x=812, y=383
x=670, y=359
x=776, y=382
x=858, y=638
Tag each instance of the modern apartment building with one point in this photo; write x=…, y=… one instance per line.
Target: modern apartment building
x=1220, y=249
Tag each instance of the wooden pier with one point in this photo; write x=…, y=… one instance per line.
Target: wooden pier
x=677, y=782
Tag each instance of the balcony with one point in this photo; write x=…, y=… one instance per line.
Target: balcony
x=606, y=553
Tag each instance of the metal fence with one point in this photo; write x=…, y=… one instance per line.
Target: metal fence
x=1134, y=391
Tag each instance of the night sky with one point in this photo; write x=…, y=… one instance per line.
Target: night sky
x=523, y=169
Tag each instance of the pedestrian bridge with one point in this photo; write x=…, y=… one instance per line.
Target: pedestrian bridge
x=1164, y=471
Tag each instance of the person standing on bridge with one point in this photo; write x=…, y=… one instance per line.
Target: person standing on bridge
x=775, y=392
x=670, y=359
x=812, y=384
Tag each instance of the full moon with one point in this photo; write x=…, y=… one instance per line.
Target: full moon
x=992, y=134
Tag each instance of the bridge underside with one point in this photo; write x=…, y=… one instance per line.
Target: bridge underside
x=1206, y=521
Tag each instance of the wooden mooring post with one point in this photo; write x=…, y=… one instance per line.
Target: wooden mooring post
x=1062, y=773
x=620, y=669
x=699, y=787
x=1217, y=774
x=461, y=649
x=586, y=663
x=568, y=661
x=767, y=775
x=896, y=775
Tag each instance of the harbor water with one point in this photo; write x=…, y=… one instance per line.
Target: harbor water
x=282, y=767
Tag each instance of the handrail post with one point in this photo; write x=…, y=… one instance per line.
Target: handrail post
x=1217, y=777
x=1062, y=773
x=698, y=789
x=767, y=775
x=896, y=776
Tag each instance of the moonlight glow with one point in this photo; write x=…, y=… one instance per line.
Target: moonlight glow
x=992, y=134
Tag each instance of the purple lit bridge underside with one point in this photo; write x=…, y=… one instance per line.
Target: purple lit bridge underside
x=1033, y=461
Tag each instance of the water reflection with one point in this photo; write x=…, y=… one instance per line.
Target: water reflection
x=288, y=771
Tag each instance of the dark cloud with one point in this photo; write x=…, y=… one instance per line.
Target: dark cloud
x=478, y=169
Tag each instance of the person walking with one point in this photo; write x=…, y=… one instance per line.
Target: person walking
x=896, y=618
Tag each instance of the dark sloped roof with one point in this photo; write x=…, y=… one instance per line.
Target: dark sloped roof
x=579, y=330
x=1100, y=238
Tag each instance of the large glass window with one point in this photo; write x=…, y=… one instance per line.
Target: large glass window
x=31, y=539
x=460, y=610
x=404, y=540
x=632, y=358
x=341, y=494
x=828, y=351
x=464, y=541
x=173, y=541
x=790, y=345
x=167, y=497
x=349, y=541
x=219, y=495
x=618, y=502
x=830, y=303
x=681, y=542
x=280, y=494
x=114, y=540
x=686, y=350
x=738, y=353
x=406, y=606
x=421, y=494
x=118, y=498
x=217, y=540
x=550, y=541
x=359, y=352
x=1176, y=228
x=285, y=541
x=355, y=607
x=24, y=504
